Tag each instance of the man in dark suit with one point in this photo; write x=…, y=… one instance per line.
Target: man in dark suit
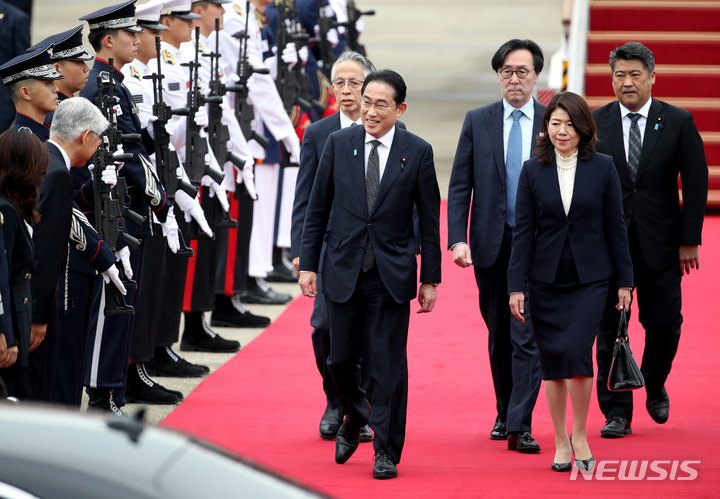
x=348, y=75
x=370, y=265
x=484, y=183
x=663, y=236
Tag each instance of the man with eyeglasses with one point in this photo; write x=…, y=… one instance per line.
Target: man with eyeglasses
x=348, y=75
x=371, y=178
x=494, y=142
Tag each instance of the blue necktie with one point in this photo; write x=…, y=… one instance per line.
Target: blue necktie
x=513, y=164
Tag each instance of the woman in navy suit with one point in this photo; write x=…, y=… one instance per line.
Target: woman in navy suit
x=569, y=238
x=23, y=163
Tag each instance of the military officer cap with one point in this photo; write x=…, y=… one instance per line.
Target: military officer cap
x=148, y=15
x=68, y=46
x=179, y=8
x=36, y=65
x=120, y=16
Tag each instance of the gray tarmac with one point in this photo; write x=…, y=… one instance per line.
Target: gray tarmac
x=442, y=49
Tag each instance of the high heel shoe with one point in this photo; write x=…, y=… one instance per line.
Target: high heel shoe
x=583, y=464
x=561, y=467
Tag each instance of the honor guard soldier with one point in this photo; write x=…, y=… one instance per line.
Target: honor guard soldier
x=271, y=115
x=112, y=36
x=69, y=59
x=36, y=95
x=158, y=313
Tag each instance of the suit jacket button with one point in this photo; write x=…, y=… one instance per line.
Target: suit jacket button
x=502, y=212
x=634, y=191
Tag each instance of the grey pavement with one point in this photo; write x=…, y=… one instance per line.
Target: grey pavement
x=442, y=49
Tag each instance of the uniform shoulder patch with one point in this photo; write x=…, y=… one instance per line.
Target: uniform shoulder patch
x=168, y=57
x=135, y=73
x=105, y=77
x=174, y=86
x=138, y=98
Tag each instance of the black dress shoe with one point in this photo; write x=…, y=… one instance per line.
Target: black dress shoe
x=101, y=399
x=499, y=431
x=346, y=443
x=384, y=466
x=230, y=312
x=169, y=363
x=259, y=292
x=366, y=434
x=330, y=422
x=616, y=427
x=658, y=405
x=561, y=467
x=280, y=273
x=143, y=390
x=206, y=340
x=523, y=442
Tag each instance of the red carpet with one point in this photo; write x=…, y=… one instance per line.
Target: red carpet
x=266, y=404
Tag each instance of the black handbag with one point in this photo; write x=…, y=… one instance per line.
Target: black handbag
x=624, y=372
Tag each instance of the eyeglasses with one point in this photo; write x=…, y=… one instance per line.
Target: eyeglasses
x=354, y=84
x=380, y=108
x=521, y=73
x=99, y=137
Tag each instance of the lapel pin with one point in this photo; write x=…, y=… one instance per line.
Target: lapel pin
x=402, y=160
x=355, y=152
x=659, y=124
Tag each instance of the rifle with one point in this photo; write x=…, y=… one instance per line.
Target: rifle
x=110, y=210
x=196, y=147
x=218, y=134
x=324, y=46
x=166, y=161
x=301, y=40
x=351, y=32
x=243, y=109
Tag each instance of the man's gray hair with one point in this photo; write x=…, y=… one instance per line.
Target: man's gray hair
x=367, y=66
x=73, y=117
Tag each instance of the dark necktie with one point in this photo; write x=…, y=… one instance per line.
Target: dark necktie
x=634, y=146
x=372, y=182
x=513, y=164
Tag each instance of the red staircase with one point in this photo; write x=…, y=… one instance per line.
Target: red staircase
x=685, y=38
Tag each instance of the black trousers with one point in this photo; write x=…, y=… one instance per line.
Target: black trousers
x=372, y=311
x=659, y=302
x=514, y=357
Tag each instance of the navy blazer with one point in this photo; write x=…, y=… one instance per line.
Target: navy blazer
x=594, y=226
x=19, y=254
x=671, y=146
x=478, y=175
x=408, y=181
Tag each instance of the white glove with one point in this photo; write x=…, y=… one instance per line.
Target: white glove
x=219, y=191
x=109, y=175
x=332, y=36
x=247, y=176
x=233, y=79
x=303, y=54
x=120, y=151
x=192, y=209
x=290, y=55
x=292, y=144
x=170, y=230
x=150, y=128
x=201, y=117
x=113, y=274
x=123, y=256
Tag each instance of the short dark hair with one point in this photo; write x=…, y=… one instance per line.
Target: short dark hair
x=516, y=44
x=582, y=121
x=633, y=51
x=95, y=38
x=390, y=78
x=24, y=161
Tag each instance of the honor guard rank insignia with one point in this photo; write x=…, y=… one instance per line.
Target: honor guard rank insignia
x=168, y=57
x=135, y=73
x=105, y=76
x=238, y=10
x=173, y=87
x=138, y=98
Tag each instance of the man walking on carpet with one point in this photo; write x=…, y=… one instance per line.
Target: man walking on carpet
x=370, y=266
